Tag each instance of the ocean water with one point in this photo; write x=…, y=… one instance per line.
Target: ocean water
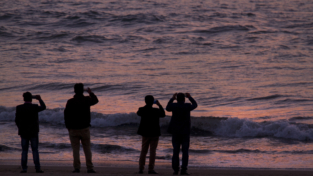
x=248, y=64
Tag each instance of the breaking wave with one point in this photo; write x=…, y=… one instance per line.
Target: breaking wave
x=225, y=127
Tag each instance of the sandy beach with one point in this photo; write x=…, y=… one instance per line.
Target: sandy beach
x=63, y=168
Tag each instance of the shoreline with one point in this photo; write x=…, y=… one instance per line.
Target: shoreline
x=166, y=167
x=118, y=170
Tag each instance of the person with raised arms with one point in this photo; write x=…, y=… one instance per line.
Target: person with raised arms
x=179, y=127
x=77, y=121
x=149, y=129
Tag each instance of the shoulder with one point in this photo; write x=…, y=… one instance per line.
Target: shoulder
x=172, y=104
x=19, y=106
x=156, y=109
x=70, y=100
x=87, y=98
x=143, y=108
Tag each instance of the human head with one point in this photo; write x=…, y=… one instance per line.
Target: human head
x=79, y=88
x=27, y=96
x=181, y=97
x=149, y=99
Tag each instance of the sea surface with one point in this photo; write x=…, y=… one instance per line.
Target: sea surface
x=248, y=64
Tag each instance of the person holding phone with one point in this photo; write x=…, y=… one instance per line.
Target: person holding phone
x=27, y=122
x=179, y=127
x=149, y=129
x=77, y=121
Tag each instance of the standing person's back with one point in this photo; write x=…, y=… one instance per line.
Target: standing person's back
x=77, y=111
x=149, y=129
x=179, y=127
x=77, y=121
x=28, y=128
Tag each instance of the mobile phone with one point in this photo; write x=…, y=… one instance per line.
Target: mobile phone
x=155, y=101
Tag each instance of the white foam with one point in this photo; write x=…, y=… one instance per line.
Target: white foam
x=231, y=127
x=7, y=114
x=235, y=127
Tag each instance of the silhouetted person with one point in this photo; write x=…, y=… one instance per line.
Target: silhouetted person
x=179, y=127
x=27, y=122
x=149, y=129
x=77, y=121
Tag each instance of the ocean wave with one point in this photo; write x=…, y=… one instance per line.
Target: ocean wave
x=90, y=38
x=266, y=98
x=107, y=148
x=220, y=29
x=138, y=18
x=52, y=86
x=59, y=146
x=166, y=157
x=235, y=127
x=303, y=25
x=4, y=148
x=77, y=23
x=203, y=126
x=4, y=32
x=300, y=118
x=54, y=36
x=6, y=16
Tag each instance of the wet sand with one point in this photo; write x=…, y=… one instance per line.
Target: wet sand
x=64, y=168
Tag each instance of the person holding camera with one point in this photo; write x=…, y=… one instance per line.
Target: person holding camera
x=77, y=121
x=27, y=122
x=149, y=129
x=179, y=127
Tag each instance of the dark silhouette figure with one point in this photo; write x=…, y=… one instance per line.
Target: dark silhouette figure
x=149, y=129
x=77, y=121
x=27, y=121
x=179, y=127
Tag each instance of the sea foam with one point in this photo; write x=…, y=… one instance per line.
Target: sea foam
x=224, y=127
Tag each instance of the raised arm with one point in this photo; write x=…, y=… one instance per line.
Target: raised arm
x=169, y=106
x=42, y=104
x=194, y=104
x=94, y=98
x=161, y=109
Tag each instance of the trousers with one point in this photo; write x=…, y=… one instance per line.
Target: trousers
x=177, y=141
x=147, y=142
x=34, y=141
x=83, y=136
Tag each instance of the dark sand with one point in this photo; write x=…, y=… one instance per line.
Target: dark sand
x=64, y=168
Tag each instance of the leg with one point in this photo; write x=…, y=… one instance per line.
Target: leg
x=176, y=150
x=75, y=142
x=87, y=148
x=153, y=146
x=143, y=153
x=34, y=144
x=25, y=144
x=185, y=150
